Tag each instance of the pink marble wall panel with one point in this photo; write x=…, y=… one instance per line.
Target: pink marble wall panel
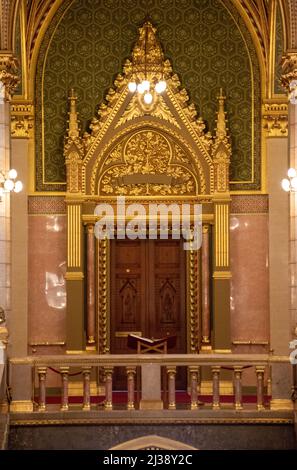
x=250, y=280
x=47, y=289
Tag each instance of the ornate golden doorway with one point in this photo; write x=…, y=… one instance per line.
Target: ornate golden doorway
x=159, y=153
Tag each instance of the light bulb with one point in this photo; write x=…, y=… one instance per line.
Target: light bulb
x=148, y=98
x=140, y=88
x=294, y=183
x=286, y=185
x=8, y=185
x=146, y=85
x=160, y=86
x=292, y=173
x=132, y=86
x=12, y=174
x=18, y=186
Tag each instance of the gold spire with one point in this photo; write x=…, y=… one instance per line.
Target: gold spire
x=147, y=55
x=221, y=129
x=73, y=127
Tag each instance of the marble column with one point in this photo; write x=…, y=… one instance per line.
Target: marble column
x=293, y=219
x=5, y=220
x=205, y=289
x=90, y=286
x=280, y=318
x=13, y=243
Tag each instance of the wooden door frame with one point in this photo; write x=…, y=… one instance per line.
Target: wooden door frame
x=192, y=297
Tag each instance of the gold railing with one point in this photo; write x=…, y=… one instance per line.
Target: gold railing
x=107, y=364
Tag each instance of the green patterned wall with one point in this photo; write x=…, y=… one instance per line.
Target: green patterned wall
x=18, y=52
x=279, y=50
x=207, y=42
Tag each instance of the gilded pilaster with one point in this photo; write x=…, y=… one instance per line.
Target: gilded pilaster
x=221, y=152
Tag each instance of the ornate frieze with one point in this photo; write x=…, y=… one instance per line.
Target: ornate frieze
x=275, y=119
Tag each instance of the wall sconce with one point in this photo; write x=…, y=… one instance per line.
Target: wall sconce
x=290, y=184
x=8, y=183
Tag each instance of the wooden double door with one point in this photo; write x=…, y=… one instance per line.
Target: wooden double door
x=147, y=292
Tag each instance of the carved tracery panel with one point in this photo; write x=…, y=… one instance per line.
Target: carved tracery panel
x=148, y=163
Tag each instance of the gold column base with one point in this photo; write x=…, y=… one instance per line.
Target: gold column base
x=238, y=406
x=21, y=406
x=64, y=408
x=87, y=407
x=4, y=407
x=206, y=348
x=281, y=404
x=151, y=405
x=130, y=406
x=216, y=406
x=108, y=406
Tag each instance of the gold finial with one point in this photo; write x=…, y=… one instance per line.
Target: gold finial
x=73, y=128
x=221, y=129
x=147, y=55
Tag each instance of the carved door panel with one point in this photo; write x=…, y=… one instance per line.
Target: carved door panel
x=147, y=295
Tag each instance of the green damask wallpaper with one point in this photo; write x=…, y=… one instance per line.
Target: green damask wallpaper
x=279, y=47
x=18, y=53
x=207, y=43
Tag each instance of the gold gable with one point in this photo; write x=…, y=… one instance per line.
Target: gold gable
x=137, y=149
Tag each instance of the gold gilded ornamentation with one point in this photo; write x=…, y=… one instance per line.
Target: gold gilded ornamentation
x=289, y=65
x=74, y=235
x=193, y=158
x=173, y=107
x=222, y=236
x=147, y=168
x=221, y=150
x=8, y=74
x=22, y=120
x=137, y=108
x=102, y=304
x=275, y=119
x=73, y=148
x=193, y=301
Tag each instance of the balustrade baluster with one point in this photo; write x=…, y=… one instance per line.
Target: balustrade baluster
x=42, y=392
x=238, y=387
x=131, y=371
x=108, y=388
x=171, y=372
x=64, y=375
x=194, y=387
x=215, y=387
x=260, y=387
x=87, y=395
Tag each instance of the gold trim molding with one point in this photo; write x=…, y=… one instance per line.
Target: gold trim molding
x=18, y=406
x=74, y=276
x=222, y=275
x=281, y=404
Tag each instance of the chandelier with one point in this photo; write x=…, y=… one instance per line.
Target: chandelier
x=8, y=182
x=147, y=73
x=290, y=184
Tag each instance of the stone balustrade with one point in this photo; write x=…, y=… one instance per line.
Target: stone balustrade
x=156, y=390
